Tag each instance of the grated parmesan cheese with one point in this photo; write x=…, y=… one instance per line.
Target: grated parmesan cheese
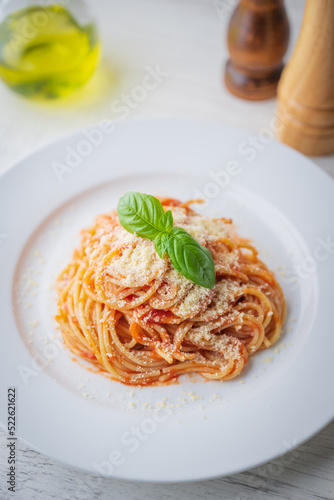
x=138, y=264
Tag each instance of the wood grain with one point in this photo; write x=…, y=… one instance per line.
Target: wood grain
x=258, y=36
x=306, y=89
x=303, y=474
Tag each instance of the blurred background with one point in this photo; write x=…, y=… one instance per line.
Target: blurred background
x=183, y=39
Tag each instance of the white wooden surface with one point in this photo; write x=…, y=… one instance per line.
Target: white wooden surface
x=185, y=38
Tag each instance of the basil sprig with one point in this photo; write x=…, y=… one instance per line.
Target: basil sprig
x=144, y=215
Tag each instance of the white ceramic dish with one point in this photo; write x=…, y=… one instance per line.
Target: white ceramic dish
x=193, y=430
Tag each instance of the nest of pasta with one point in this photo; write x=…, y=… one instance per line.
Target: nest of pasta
x=130, y=313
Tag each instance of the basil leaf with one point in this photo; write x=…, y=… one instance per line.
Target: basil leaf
x=144, y=215
x=160, y=244
x=190, y=258
x=166, y=221
x=140, y=213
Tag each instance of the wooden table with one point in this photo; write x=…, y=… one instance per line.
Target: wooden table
x=184, y=38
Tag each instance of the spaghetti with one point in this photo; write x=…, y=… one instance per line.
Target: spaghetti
x=130, y=313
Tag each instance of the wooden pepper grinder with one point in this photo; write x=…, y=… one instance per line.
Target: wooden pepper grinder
x=258, y=36
x=306, y=91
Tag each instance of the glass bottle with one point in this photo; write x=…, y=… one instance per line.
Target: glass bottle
x=47, y=48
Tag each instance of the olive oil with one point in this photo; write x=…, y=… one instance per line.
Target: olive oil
x=45, y=52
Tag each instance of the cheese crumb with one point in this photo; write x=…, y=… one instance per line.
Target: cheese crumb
x=193, y=396
x=33, y=323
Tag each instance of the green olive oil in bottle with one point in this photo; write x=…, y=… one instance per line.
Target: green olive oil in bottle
x=46, y=52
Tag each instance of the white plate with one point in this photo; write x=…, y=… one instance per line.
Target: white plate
x=193, y=430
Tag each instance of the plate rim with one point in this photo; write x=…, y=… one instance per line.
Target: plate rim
x=62, y=140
